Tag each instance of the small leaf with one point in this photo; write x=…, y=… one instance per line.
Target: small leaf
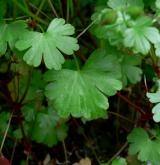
x=141, y=144
x=141, y=35
x=157, y=47
x=128, y=65
x=117, y=161
x=156, y=112
x=130, y=70
x=18, y=132
x=105, y=16
x=111, y=32
x=29, y=112
x=155, y=98
x=134, y=11
x=44, y=129
x=120, y=161
x=157, y=3
x=49, y=45
x=10, y=33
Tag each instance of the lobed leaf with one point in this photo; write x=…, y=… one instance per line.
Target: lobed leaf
x=127, y=66
x=46, y=129
x=141, y=35
x=141, y=144
x=81, y=93
x=49, y=45
x=10, y=33
x=155, y=98
x=130, y=70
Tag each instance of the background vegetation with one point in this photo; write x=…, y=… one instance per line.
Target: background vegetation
x=79, y=82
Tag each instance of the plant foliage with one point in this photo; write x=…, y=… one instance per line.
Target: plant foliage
x=65, y=65
x=146, y=148
x=49, y=44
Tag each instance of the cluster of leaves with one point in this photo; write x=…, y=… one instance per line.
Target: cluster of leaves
x=48, y=82
x=132, y=27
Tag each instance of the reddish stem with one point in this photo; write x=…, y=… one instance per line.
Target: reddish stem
x=80, y=54
x=136, y=107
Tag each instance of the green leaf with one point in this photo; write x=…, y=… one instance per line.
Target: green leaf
x=74, y=93
x=10, y=33
x=105, y=16
x=130, y=70
x=134, y=11
x=79, y=93
x=44, y=128
x=115, y=4
x=49, y=44
x=141, y=35
x=111, y=32
x=155, y=98
x=141, y=144
x=120, y=161
x=157, y=3
x=156, y=112
x=70, y=64
x=18, y=132
x=103, y=60
x=117, y=161
x=129, y=65
x=23, y=162
x=157, y=47
x=29, y=112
